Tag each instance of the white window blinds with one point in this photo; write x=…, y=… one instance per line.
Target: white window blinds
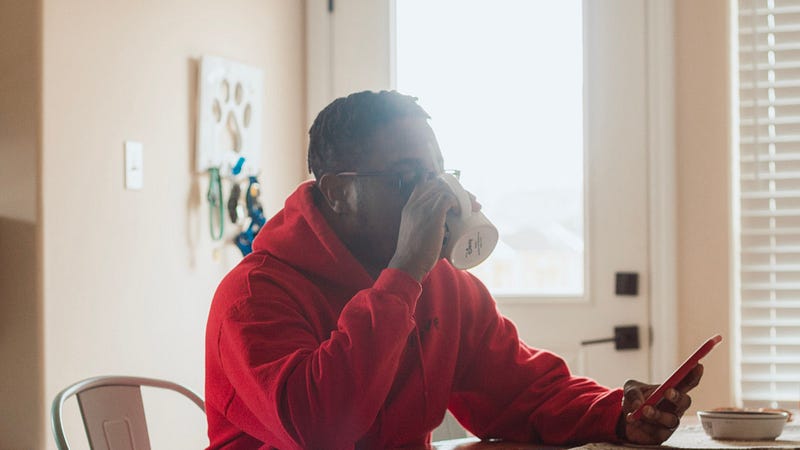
x=769, y=203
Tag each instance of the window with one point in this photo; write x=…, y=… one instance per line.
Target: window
x=769, y=202
x=523, y=152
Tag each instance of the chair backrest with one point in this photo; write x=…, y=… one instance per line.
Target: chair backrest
x=112, y=411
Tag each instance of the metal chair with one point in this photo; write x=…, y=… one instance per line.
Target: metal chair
x=112, y=411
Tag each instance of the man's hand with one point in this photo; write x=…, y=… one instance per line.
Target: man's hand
x=657, y=424
x=419, y=241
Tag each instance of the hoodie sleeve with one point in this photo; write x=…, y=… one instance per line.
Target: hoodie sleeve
x=295, y=386
x=505, y=389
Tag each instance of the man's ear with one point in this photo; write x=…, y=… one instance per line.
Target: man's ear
x=339, y=193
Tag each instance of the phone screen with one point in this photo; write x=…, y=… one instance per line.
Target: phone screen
x=679, y=374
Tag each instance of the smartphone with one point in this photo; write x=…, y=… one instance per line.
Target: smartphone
x=678, y=375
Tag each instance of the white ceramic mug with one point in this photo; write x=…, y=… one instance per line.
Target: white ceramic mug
x=469, y=236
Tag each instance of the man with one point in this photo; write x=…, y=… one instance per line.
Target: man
x=345, y=329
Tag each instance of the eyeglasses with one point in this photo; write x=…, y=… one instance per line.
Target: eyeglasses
x=405, y=180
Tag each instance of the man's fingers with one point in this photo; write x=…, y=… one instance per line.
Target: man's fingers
x=642, y=432
x=664, y=418
x=680, y=401
x=436, y=195
x=657, y=423
x=633, y=393
x=691, y=380
x=654, y=427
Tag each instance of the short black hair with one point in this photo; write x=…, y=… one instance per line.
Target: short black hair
x=338, y=133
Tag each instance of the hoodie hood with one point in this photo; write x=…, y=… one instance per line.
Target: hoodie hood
x=300, y=236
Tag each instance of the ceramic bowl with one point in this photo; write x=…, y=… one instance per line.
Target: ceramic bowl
x=743, y=425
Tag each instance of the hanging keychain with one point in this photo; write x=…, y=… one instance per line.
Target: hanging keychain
x=256, y=213
x=216, y=218
x=235, y=211
x=235, y=207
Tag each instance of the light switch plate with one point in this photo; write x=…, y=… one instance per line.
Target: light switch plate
x=134, y=165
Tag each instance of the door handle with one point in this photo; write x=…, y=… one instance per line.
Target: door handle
x=625, y=338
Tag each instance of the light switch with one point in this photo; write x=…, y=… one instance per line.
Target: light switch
x=134, y=165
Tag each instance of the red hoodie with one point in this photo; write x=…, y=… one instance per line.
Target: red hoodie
x=305, y=350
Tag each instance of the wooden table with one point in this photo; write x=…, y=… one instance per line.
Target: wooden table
x=688, y=436
x=476, y=444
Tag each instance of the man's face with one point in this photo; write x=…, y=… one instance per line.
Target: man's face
x=408, y=148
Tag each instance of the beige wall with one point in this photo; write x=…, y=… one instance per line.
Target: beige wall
x=703, y=168
x=19, y=107
x=20, y=338
x=20, y=319
x=129, y=275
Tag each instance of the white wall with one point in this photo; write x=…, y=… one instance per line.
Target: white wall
x=128, y=275
x=703, y=130
x=331, y=59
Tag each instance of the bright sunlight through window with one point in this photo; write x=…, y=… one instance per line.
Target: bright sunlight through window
x=503, y=83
